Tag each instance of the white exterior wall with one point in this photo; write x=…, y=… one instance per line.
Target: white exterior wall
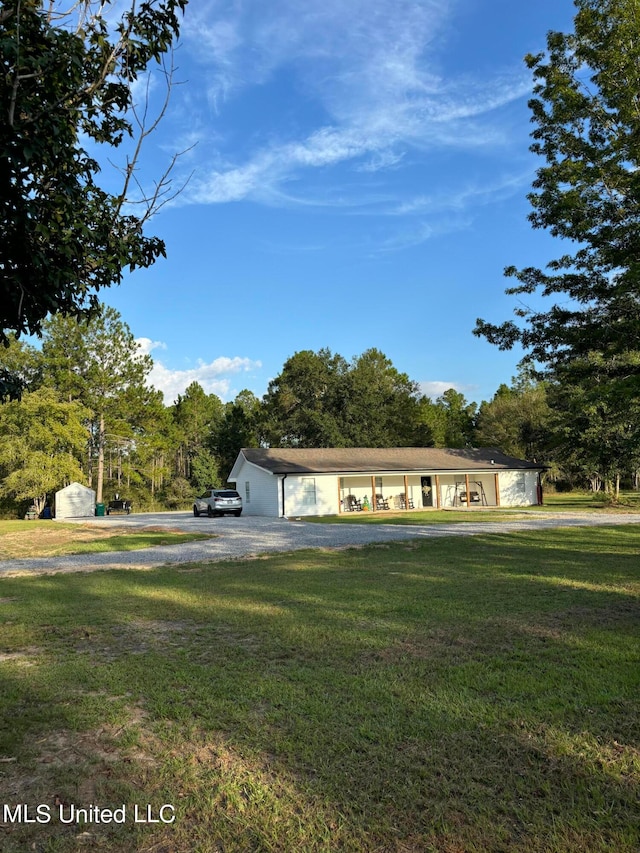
x=414, y=489
x=263, y=491
x=518, y=488
x=298, y=493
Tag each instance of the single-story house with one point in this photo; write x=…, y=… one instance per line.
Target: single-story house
x=328, y=481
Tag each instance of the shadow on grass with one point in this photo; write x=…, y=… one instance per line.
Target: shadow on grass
x=443, y=695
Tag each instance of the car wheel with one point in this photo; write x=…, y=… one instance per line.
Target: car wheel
x=238, y=513
x=195, y=511
x=210, y=512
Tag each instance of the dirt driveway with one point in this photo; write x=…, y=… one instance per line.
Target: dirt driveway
x=248, y=536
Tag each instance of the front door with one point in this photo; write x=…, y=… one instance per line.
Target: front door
x=427, y=491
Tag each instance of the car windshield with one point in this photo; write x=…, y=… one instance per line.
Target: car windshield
x=227, y=494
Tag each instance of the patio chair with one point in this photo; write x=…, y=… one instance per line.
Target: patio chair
x=352, y=504
x=381, y=503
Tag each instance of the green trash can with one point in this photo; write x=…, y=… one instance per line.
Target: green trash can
x=100, y=509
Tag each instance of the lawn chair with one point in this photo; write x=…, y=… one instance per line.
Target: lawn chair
x=352, y=504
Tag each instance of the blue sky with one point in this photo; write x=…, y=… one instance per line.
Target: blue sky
x=358, y=179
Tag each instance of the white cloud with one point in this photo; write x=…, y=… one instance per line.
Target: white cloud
x=435, y=388
x=461, y=199
x=370, y=69
x=214, y=376
x=146, y=345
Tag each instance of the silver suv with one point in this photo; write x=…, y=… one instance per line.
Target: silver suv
x=218, y=502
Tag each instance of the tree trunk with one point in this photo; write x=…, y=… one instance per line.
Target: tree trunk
x=100, y=460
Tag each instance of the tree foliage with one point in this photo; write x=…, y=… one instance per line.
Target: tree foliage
x=321, y=400
x=303, y=406
x=65, y=90
x=518, y=421
x=586, y=115
x=98, y=362
x=240, y=427
x=196, y=416
x=42, y=437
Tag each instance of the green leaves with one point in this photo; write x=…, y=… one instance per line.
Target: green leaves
x=63, y=238
x=586, y=115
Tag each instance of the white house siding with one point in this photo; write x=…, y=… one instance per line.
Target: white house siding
x=311, y=494
x=263, y=491
x=518, y=488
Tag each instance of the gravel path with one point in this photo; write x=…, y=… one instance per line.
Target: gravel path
x=244, y=537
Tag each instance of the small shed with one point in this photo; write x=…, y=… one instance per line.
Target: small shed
x=75, y=501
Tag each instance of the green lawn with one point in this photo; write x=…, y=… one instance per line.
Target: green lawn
x=562, y=502
x=432, y=516
x=581, y=501
x=24, y=539
x=454, y=696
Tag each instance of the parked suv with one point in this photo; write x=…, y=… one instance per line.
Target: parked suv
x=218, y=502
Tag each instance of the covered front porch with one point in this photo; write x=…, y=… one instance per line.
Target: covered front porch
x=418, y=491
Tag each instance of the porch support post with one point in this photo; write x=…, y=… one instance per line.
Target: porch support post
x=374, y=503
x=406, y=492
x=496, y=480
x=466, y=483
x=339, y=504
x=437, y=491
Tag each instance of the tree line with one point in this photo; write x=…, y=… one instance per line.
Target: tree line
x=81, y=409
x=87, y=413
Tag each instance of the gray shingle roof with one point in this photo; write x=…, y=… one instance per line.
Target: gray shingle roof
x=370, y=459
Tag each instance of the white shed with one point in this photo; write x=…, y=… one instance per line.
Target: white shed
x=75, y=501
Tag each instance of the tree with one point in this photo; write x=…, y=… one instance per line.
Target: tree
x=596, y=430
x=517, y=420
x=303, y=406
x=42, y=438
x=240, y=427
x=456, y=420
x=380, y=403
x=20, y=368
x=321, y=400
x=205, y=471
x=66, y=87
x=196, y=417
x=587, y=127
x=98, y=363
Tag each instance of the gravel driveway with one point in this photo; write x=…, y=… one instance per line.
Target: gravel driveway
x=244, y=537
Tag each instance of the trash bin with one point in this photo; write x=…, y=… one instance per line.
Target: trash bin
x=99, y=509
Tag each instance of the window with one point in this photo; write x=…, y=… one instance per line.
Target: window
x=247, y=491
x=308, y=491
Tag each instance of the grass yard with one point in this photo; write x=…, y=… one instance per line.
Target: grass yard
x=561, y=502
x=450, y=696
x=24, y=539
x=431, y=516
x=589, y=502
